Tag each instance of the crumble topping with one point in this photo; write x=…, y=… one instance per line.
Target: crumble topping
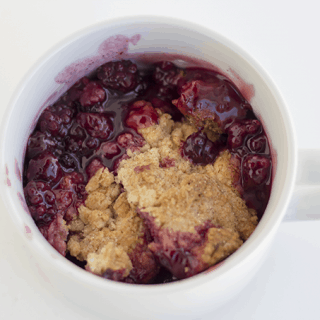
x=220, y=244
x=183, y=196
x=110, y=257
x=161, y=188
x=107, y=228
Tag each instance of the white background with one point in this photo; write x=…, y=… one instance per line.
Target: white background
x=283, y=35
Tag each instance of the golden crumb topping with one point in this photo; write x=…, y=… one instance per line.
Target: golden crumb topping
x=220, y=244
x=179, y=196
x=183, y=196
x=106, y=224
x=111, y=257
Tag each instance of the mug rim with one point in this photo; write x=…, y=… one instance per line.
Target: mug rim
x=42, y=248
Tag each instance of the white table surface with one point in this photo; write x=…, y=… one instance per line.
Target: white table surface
x=283, y=36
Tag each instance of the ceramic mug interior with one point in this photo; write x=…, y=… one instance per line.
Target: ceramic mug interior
x=131, y=38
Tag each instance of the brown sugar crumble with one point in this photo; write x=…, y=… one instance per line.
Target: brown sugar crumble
x=168, y=194
x=183, y=196
x=107, y=229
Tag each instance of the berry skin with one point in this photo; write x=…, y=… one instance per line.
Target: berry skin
x=141, y=115
x=110, y=149
x=119, y=75
x=161, y=98
x=178, y=251
x=70, y=181
x=257, y=144
x=41, y=201
x=166, y=74
x=44, y=167
x=69, y=162
x=56, y=120
x=38, y=192
x=129, y=141
x=239, y=131
x=77, y=132
x=167, y=162
x=211, y=101
x=64, y=198
x=70, y=194
x=92, y=94
x=74, y=141
x=97, y=125
x=93, y=167
x=38, y=143
x=92, y=143
x=255, y=170
x=200, y=150
x=75, y=92
x=144, y=264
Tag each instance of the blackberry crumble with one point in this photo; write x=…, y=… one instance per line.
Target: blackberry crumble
x=148, y=176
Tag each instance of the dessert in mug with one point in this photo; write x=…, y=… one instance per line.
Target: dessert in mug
x=148, y=175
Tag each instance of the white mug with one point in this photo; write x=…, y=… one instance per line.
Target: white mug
x=165, y=38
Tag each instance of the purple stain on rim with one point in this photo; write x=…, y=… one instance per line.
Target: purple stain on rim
x=28, y=232
x=110, y=49
x=23, y=203
x=17, y=170
x=246, y=89
x=43, y=275
x=8, y=182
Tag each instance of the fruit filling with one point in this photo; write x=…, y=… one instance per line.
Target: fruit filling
x=148, y=175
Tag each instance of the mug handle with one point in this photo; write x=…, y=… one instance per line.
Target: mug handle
x=305, y=201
